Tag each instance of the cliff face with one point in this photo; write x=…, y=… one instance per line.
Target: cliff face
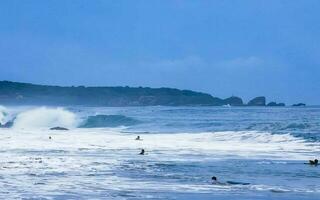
x=30, y=94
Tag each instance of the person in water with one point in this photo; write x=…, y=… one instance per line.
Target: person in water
x=314, y=162
x=142, y=152
x=216, y=182
x=50, y=137
x=138, y=137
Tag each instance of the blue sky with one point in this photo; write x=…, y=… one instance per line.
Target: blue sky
x=240, y=47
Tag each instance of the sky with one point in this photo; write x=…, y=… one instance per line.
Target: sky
x=245, y=48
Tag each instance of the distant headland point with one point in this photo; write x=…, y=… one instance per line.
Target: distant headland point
x=15, y=93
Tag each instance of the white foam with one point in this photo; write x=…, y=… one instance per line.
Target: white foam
x=170, y=146
x=45, y=117
x=3, y=114
x=76, y=152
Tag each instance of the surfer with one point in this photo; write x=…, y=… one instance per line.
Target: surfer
x=216, y=182
x=50, y=138
x=142, y=152
x=314, y=162
x=138, y=137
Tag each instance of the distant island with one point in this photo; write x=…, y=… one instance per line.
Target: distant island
x=15, y=93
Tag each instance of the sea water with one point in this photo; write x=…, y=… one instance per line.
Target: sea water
x=98, y=157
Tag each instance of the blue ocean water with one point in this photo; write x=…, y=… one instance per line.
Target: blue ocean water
x=98, y=157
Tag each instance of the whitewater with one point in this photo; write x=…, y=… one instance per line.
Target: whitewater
x=97, y=157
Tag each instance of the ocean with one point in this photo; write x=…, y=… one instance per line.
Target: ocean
x=261, y=150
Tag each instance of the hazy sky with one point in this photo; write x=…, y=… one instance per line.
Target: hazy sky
x=245, y=47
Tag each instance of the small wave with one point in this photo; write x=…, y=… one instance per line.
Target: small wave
x=297, y=126
x=275, y=189
x=99, y=121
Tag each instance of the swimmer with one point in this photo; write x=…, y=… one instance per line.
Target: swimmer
x=50, y=138
x=138, y=137
x=142, y=152
x=215, y=181
x=313, y=162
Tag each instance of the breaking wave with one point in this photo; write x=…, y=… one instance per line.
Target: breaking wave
x=45, y=117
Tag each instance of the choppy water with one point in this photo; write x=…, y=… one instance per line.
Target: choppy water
x=98, y=157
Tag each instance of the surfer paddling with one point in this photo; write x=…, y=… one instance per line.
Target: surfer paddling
x=314, y=162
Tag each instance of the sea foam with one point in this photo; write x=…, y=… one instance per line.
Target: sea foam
x=44, y=117
x=3, y=113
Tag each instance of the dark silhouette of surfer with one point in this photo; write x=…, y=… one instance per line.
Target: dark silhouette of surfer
x=142, y=152
x=138, y=137
x=314, y=162
x=50, y=137
x=216, y=182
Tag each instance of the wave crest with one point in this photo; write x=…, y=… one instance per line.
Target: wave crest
x=108, y=121
x=46, y=117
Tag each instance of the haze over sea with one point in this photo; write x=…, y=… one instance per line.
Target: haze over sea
x=97, y=158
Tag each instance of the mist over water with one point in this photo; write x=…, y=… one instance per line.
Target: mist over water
x=98, y=156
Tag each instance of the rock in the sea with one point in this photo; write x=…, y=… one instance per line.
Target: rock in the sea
x=299, y=104
x=258, y=101
x=58, y=128
x=275, y=104
x=233, y=101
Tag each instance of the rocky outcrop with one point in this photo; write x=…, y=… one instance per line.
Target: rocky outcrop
x=275, y=104
x=299, y=105
x=258, y=101
x=233, y=101
x=58, y=128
